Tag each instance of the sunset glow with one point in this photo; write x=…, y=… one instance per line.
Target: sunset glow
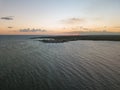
x=59, y=16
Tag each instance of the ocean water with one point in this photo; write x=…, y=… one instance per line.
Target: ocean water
x=27, y=64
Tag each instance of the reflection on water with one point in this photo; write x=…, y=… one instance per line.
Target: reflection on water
x=77, y=65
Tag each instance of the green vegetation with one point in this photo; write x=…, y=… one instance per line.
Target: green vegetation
x=61, y=39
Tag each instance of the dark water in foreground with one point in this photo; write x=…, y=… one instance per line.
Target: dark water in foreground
x=78, y=65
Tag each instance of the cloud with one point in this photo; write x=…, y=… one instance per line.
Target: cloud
x=73, y=21
x=7, y=18
x=10, y=27
x=32, y=30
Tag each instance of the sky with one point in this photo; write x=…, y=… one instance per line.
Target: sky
x=59, y=16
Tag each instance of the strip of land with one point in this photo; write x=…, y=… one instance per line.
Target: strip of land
x=61, y=39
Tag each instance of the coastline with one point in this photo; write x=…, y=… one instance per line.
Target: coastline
x=62, y=39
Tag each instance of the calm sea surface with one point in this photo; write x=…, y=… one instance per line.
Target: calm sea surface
x=27, y=64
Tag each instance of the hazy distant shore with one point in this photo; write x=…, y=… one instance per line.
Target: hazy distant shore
x=61, y=39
